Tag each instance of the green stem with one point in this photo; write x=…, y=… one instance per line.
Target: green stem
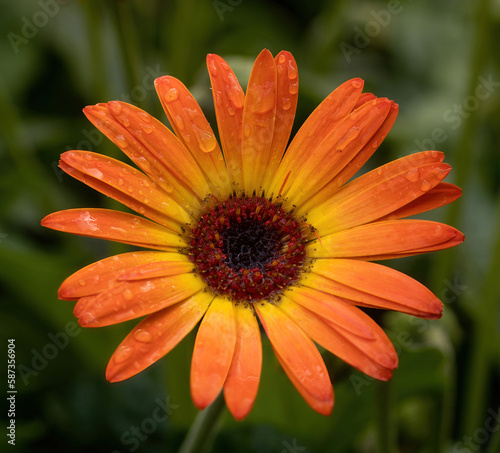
x=203, y=428
x=385, y=419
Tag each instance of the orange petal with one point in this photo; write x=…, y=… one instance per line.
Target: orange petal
x=242, y=382
x=114, y=226
x=193, y=129
x=286, y=106
x=156, y=336
x=343, y=314
x=379, y=192
x=363, y=99
x=153, y=148
x=258, y=125
x=375, y=357
x=354, y=165
x=126, y=185
x=320, y=123
x=386, y=240
x=337, y=149
x=213, y=352
x=299, y=357
x=228, y=102
x=104, y=274
x=130, y=300
x=373, y=285
x=441, y=195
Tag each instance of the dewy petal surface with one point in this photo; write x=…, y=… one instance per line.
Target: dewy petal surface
x=242, y=383
x=379, y=192
x=299, y=357
x=213, y=352
x=114, y=226
x=386, y=240
x=156, y=336
x=373, y=285
x=375, y=357
x=126, y=185
x=191, y=126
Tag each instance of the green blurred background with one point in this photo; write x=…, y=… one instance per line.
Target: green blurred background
x=438, y=60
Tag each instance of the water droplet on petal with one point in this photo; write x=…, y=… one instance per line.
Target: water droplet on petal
x=120, y=181
x=235, y=96
x=115, y=107
x=86, y=318
x=130, y=189
x=212, y=67
x=143, y=336
x=425, y=186
x=122, y=354
x=126, y=122
x=413, y=175
x=293, y=88
x=147, y=128
x=128, y=294
x=171, y=95
x=179, y=123
x=82, y=282
x=121, y=141
x=230, y=110
x=206, y=140
x=281, y=59
x=246, y=130
x=356, y=84
x=292, y=71
x=141, y=210
x=286, y=104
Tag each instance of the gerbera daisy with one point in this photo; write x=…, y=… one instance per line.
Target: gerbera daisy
x=252, y=230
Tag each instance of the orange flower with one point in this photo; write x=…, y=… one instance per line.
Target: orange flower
x=245, y=231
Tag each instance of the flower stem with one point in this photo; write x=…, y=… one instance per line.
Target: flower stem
x=203, y=427
x=385, y=420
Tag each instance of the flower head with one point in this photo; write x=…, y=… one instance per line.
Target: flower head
x=253, y=231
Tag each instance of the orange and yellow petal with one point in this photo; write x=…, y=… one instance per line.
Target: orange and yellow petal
x=229, y=100
x=315, y=129
x=136, y=298
x=213, y=352
x=298, y=356
x=379, y=192
x=126, y=185
x=242, y=382
x=114, y=226
x=337, y=149
x=109, y=272
x=156, y=336
x=441, y=195
x=258, y=122
x=386, y=240
x=373, y=356
x=287, y=92
x=373, y=285
x=192, y=128
x=153, y=148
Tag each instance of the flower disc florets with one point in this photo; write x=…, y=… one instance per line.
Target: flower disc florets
x=248, y=248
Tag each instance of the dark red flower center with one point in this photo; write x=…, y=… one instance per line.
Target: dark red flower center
x=248, y=248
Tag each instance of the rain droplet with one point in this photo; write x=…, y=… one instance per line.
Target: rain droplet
x=413, y=175
x=206, y=140
x=356, y=84
x=130, y=189
x=121, y=141
x=147, y=128
x=122, y=354
x=213, y=68
x=126, y=122
x=246, y=130
x=143, y=336
x=86, y=318
x=425, y=186
x=235, y=96
x=171, y=95
x=292, y=71
x=115, y=107
x=141, y=210
x=286, y=104
x=82, y=282
x=293, y=88
x=281, y=59
x=120, y=181
x=230, y=110
x=128, y=294
x=179, y=123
